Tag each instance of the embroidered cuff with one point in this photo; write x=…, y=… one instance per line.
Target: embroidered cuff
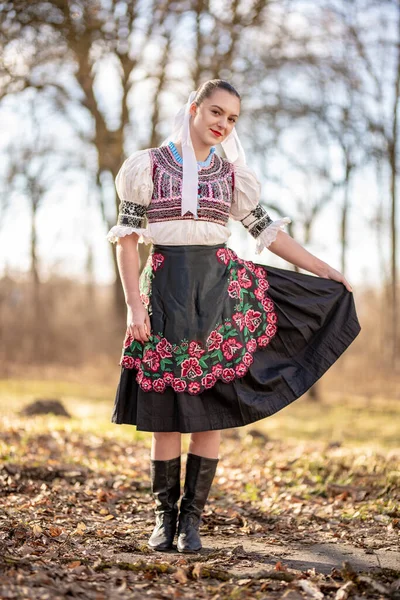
x=256, y=221
x=131, y=214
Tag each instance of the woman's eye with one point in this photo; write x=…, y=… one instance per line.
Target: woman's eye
x=215, y=112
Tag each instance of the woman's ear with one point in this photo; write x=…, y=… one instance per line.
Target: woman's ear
x=193, y=109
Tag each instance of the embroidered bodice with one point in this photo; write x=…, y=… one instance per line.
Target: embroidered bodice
x=149, y=186
x=215, y=188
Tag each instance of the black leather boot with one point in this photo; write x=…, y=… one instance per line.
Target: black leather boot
x=166, y=488
x=200, y=473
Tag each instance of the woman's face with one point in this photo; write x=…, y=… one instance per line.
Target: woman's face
x=215, y=118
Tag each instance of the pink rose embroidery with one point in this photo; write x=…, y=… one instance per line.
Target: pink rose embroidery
x=159, y=385
x=139, y=376
x=157, y=261
x=230, y=348
x=194, y=387
x=223, y=255
x=214, y=341
x=241, y=370
x=260, y=272
x=164, y=348
x=263, y=284
x=152, y=360
x=248, y=359
x=267, y=304
x=271, y=330
x=209, y=380
x=263, y=341
x=234, y=289
x=168, y=377
x=259, y=294
x=191, y=368
x=128, y=341
x=128, y=362
x=271, y=317
x=228, y=375
x=217, y=370
x=178, y=385
x=244, y=279
x=146, y=384
x=232, y=254
x=252, y=319
x=238, y=318
x=251, y=345
x=195, y=349
x=250, y=265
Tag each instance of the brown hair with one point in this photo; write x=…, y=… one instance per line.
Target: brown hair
x=208, y=87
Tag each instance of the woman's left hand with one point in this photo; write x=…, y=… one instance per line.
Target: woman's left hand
x=332, y=273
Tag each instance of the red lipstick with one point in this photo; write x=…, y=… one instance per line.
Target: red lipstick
x=216, y=133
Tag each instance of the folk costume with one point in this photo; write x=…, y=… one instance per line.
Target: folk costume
x=231, y=341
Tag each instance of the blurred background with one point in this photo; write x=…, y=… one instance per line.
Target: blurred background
x=85, y=83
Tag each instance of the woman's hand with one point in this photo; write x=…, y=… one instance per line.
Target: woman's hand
x=138, y=322
x=331, y=273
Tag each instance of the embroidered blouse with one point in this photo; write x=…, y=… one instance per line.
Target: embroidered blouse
x=149, y=185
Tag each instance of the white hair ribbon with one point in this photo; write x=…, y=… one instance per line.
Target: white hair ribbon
x=190, y=178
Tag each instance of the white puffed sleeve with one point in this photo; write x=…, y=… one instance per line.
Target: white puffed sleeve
x=247, y=209
x=134, y=186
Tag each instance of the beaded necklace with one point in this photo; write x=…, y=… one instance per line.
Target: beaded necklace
x=200, y=163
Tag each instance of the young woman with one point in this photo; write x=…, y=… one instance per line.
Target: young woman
x=213, y=341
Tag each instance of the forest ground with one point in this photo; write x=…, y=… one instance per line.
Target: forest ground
x=305, y=504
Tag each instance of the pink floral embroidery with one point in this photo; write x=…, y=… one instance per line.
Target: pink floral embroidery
x=191, y=368
x=223, y=255
x=194, y=387
x=228, y=375
x=271, y=330
x=157, y=261
x=128, y=362
x=244, y=279
x=209, y=380
x=252, y=319
x=159, y=385
x=234, y=289
x=139, y=377
x=164, y=348
x=179, y=385
x=230, y=348
x=251, y=345
x=217, y=370
x=128, y=341
x=241, y=369
x=196, y=350
x=238, y=318
x=248, y=359
x=250, y=265
x=232, y=254
x=263, y=284
x=214, y=341
x=267, y=304
x=168, y=377
x=260, y=272
x=263, y=340
x=271, y=317
x=152, y=360
x=146, y=384
x=259, y=294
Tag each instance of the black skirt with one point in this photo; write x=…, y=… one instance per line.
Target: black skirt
x=231, y=341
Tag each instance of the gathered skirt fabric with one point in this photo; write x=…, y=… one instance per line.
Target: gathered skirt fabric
x=232, y=342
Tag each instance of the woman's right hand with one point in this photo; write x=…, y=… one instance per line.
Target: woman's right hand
x=138, y=322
